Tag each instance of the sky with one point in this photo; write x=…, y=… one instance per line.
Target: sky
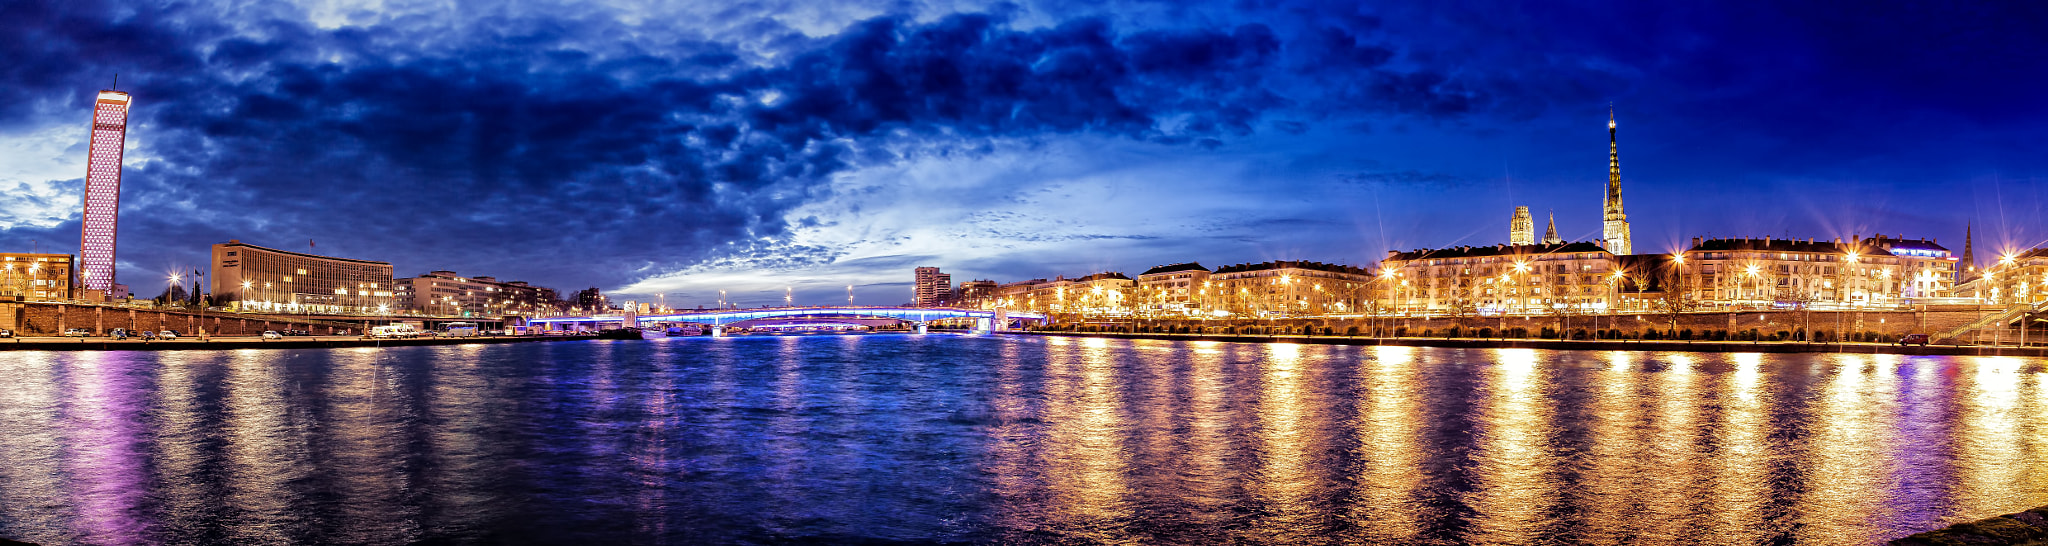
x=683, y=148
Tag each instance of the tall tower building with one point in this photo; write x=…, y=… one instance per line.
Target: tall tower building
x=933, y=288
x=102, y=190
x=1521, y=228
x=1614, y=225
x=1550, y=234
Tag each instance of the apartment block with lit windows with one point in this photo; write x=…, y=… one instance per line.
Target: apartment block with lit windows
x=1281, y=288
x=1877, y=271
x=1513, y=279
x=36, y=276
x=1171, y=288
x=446, y=293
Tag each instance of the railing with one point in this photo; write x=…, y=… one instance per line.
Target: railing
x=2000, y=318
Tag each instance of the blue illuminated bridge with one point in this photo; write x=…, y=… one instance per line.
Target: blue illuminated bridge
x=983, y=320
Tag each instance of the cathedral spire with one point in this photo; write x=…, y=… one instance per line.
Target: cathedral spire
x=1967, y=269
x=1614, y=222
x=1550, y=234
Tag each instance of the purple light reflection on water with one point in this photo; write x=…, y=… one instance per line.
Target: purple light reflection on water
x=1008, y=439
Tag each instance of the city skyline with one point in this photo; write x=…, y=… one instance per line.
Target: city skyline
x=768, y=151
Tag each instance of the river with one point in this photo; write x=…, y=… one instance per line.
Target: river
x=1008, y=439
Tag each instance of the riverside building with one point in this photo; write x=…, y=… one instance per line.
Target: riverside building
x=448, y=294
x=268, y=279
x=28, y=276
x=1171, y=289
x=1510, y=279
x=1284, y=288
x=1775, y=272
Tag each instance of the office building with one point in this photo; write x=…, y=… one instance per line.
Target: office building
x=446, y=293
x=933, y=289
x=272, y=280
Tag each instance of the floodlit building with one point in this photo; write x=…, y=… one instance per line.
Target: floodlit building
x=1287, y=287
x=1521, y=227
x=1767, y=272
x=1172, y=289
x=977, y=294
x=1614, y=222
x=36, y=276
x=269, y=279
x=1514, y=279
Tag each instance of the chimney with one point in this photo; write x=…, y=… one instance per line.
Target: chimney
x=1767, y=240
x=1391, y=254
x=1695, y=242
x=1855, y=240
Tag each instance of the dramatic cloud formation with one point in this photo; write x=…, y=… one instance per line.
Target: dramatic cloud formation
x=754, y=146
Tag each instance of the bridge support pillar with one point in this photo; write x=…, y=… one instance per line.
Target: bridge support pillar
x=982, y=326
x=717, y=331
x=920, y=328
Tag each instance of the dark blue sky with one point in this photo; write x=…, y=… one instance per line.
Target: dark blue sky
x=752, y=146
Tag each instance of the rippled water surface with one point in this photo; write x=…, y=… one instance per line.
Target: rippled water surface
x=1008, y=439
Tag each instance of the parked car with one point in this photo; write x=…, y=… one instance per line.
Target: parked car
x=77, y=332
x=168, y=334
x=118, y=333
x=272, y=334
x=147, y=335
x=5, y=333
x=1913, y=339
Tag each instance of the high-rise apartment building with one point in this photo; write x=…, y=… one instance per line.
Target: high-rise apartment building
x=102, y=191
x=933, y=288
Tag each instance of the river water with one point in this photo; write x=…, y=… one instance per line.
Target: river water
x=1009, y=439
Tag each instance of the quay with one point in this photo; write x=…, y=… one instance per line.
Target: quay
x=1579, y=345
x=228, y=343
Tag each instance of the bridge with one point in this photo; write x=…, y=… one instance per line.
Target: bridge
x=718, y=319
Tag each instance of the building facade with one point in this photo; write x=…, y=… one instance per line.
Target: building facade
x=976, y=294
x=1774, y=272
x=1500, y=279
x=1286, y=288
x=268, y=279
x=28, y=276
x=1172, y=289
x=447, y=294
x=933, y=289
x=102, y=191
x=2019, y=278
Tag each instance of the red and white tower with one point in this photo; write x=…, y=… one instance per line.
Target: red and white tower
x=102, y=190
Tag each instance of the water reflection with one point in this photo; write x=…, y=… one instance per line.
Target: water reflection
x=1009, y=439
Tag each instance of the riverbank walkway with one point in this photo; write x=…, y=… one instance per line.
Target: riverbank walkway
x=1581, y=345
x=225, y=343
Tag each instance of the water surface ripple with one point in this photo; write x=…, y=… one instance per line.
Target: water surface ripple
x=1010, y=439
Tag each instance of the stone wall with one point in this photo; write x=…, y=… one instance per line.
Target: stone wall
x=49, y=319
x=1766, y=325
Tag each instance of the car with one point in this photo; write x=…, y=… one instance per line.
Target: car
x=168, y=334
x=1913, y=339
x=118, y=333
x=272, y=334
x=147, y=335
x=5, y=333
x=78, y=332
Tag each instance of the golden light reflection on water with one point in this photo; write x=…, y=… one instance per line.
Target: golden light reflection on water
x=265, y=451
x=1619, y=463
x=1741, y=490
x=1995, y=458
x=1085, y=461
x=368, y=453
x=1284, y=479
x=1849, y=461
x=1514, y=483
x=1390, y=457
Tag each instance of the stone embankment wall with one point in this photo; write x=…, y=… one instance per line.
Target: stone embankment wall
x=2023, y=528
x=49, y=319
x=1745, y=325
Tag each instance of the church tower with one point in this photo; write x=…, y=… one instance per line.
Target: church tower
x=1521, y=228
x=1966, y=269
x=1550, y=233
x=1614, y=225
